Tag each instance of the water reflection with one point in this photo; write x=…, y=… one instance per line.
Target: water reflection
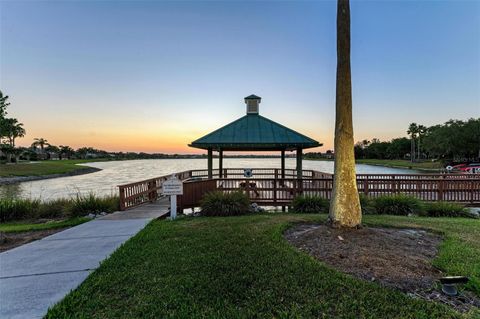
x=112, y=174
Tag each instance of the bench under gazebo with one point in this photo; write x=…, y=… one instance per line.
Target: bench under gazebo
x=254, y=132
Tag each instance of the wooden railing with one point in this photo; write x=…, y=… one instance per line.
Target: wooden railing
x=145, y=191
x=269, y=189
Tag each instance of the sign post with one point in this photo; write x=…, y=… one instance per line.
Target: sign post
x=173, y=187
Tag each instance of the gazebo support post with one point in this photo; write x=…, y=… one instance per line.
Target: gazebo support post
x=220, y=164
x=283, y=172
x=299, y=163
x=210, y=163
x=299, y=171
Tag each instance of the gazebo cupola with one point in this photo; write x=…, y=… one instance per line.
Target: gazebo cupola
x=252, y=102
x=253, y=132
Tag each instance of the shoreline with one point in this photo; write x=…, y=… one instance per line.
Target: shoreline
x=412, y=168
x=19, y=179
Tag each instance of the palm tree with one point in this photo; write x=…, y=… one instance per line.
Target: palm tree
x=13, y=130
x=421, y=133
x=412, y=131
x=65, y=150
x=345, y=210
x=40, y=141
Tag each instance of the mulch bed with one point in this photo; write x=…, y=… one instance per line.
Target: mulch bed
x=396, y=258
x=12, y=240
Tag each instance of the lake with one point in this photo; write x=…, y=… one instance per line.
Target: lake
x=116, y=173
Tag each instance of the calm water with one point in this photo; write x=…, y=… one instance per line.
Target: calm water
x=112, y=174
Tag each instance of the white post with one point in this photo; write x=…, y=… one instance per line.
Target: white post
x=173, y=206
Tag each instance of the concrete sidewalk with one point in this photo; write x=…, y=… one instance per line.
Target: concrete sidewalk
x=35, y=276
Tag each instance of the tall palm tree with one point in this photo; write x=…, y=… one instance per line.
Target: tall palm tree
x=19, y=131
x=345, y=210
x=412, y=131
x=421, y=130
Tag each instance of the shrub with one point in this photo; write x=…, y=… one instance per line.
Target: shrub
x=53, y=209
x=368, y=205
x=85, y=204
x=18, y=209
x=445, y=209
x=308, y=204
x=15, y=209
x=398, y=205
x=225, y=204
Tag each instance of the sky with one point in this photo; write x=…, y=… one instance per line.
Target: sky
x=153, y=76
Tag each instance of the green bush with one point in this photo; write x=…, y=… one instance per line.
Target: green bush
x=225, y=204
x=398, y=205
x=86, y=204
x=307, y=204
x=368, y=205
x=445, y=209
x=16, y=209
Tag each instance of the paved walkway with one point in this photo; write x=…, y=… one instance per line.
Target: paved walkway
x=35, y=276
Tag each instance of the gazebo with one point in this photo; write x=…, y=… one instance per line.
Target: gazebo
x=254, y=132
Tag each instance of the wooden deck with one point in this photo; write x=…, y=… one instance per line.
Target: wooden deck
x=268, y=187
x=156, y=209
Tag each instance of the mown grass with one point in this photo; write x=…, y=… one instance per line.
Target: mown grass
x=428, y=165
x=17, y=227
x=42, y=168
x=241, y=267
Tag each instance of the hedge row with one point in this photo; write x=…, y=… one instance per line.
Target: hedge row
x=399, y=204
x=21, y=209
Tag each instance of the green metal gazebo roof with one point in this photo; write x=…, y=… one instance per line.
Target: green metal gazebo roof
x=254, y=132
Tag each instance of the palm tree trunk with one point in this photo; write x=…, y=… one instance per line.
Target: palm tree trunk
x=418, y=146
x=345, y=208
x=412, y=150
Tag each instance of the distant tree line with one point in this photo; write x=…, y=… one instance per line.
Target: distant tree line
x=452, y=141
x=455, y=140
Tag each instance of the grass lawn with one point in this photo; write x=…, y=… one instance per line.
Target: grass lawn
x=241, y=267
x=42, y=168
x=401, y=164
x=16, y=227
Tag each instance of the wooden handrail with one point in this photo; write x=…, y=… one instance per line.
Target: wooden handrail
x=272, y=189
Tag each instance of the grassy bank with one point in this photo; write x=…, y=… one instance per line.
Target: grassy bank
x=41, y=168
x=402, y=164
x=241, y=267
x=428, y=166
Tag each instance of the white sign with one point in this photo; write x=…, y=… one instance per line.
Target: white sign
x=172, y=186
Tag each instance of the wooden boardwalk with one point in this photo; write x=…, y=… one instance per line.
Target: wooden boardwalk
x=157, y=209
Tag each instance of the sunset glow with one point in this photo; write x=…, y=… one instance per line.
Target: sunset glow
x=78, y=74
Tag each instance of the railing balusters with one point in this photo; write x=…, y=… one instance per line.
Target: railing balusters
x=266, y=188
